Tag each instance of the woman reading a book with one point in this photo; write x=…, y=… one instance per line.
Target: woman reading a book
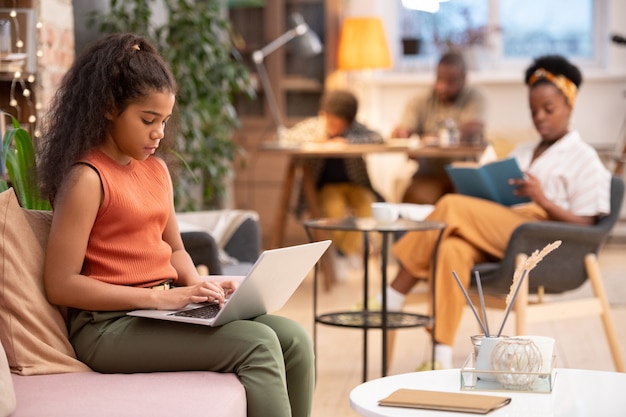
x=563, y=178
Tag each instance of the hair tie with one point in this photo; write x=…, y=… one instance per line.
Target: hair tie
x=564, y=84
x=136, y=47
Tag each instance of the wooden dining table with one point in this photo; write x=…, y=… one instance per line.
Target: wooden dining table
x=297, y=168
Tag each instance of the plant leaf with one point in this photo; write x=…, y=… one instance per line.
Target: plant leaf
x=19, y=156
x=196, y=42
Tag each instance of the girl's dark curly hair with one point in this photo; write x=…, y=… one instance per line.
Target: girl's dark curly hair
x=557, y=65
x=115, y=71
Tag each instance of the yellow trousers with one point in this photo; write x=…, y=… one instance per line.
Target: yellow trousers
x=338, y=200
x=475, y=229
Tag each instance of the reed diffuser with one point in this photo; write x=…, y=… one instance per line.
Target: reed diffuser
x=521, y=272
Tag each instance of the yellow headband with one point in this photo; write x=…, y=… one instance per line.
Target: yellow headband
x=564, y=84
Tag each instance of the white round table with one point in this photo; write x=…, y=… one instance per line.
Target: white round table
x=576, y=393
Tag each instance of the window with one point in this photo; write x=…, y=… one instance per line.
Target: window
x=542, y=27
x=455, y=24
x=508, y=31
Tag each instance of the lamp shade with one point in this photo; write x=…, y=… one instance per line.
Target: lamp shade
x=307, y=43
x=363, y=44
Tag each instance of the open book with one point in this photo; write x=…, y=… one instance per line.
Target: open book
x=489, y=181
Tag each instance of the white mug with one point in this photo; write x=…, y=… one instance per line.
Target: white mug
x=385, y=212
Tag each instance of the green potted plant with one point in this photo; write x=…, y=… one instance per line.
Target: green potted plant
x=18, y=155
x=195, y=40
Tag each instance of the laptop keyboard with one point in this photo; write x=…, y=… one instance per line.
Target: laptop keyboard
x=204, y=312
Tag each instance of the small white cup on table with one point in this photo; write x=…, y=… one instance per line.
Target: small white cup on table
x=385, y=212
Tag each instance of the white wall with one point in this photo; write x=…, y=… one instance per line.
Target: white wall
x=599, y=113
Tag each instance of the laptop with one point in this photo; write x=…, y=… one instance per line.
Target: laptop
x=274, y=277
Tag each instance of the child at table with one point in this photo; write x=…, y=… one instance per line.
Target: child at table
x=342, y=184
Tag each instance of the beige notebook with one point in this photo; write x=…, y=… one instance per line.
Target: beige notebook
x=444, y=401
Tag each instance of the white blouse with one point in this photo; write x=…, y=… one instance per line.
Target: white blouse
x=571, y=174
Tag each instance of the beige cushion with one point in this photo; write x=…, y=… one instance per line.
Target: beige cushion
x=32, y=330
x=7, y=393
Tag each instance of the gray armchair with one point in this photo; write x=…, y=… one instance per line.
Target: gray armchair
x=242, y=246
x=566, y=269
x=203, y=250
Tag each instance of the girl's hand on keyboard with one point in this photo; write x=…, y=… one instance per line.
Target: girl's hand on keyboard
x=229, y=287
x=179, y=297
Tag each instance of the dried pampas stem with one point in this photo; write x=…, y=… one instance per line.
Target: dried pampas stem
x=530, y=263
x=536, y=257
x=522, y=270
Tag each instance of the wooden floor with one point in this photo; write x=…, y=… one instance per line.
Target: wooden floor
x=580, y=342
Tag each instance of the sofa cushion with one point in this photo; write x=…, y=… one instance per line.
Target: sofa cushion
x=32, y=331
x=7, y=394
x=158, y=394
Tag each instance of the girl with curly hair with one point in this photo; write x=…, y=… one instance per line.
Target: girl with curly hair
x=114, y=239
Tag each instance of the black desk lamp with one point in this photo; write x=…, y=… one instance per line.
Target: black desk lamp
x=308, y=44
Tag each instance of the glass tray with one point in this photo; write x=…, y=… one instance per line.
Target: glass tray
x=471, y=379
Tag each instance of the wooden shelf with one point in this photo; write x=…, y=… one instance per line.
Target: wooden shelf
x=20, y=4
x=298, y=84
x=255, y=27
x=8, y=76
x=20, y=60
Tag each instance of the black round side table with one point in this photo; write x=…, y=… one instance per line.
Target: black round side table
x=366, y=319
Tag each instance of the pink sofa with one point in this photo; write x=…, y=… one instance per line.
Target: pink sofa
x=79, y=394
x=39, y=372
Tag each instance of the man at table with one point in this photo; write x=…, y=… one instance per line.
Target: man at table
x=342, y=184
x=452, y=111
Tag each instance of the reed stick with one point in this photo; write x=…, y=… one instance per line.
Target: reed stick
x=520, y=273
x=482, y=302
x=469, y=302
